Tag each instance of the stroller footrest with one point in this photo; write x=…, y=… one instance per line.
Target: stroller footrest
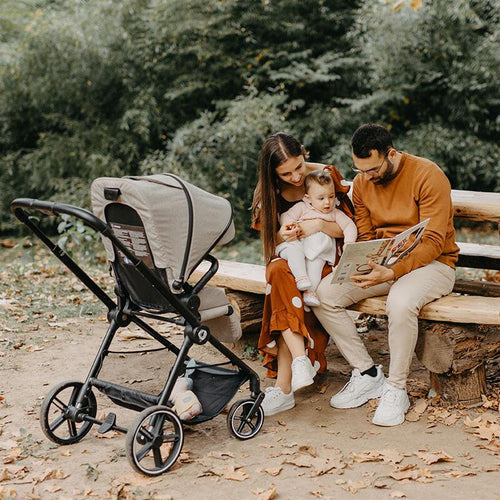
x=108, y=424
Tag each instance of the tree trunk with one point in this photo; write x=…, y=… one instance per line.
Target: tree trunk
x=464, y=388
x=249, y=306
x=455, y=355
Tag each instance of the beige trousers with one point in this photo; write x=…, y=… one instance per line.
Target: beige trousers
x=406, y=296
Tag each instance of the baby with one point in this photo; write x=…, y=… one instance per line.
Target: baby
x=306, y=257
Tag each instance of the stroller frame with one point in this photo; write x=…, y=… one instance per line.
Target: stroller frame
x=155, y=439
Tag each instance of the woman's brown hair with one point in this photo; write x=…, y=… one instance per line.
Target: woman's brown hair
x=274, y=152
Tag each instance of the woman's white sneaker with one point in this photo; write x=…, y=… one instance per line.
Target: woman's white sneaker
x=392, y=407
x=359, y=390
x=303, y=373
x=276, y=401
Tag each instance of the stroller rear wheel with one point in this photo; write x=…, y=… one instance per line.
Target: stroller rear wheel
x=54, y=416
x=154, y=441
x=238, y=422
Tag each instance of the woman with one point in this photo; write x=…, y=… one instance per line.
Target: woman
x=292, y=340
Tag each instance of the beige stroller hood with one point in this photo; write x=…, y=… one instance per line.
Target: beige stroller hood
x=182, y=222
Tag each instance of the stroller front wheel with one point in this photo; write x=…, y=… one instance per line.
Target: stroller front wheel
x=55, y=420
x=154, y=440
x=239, y=423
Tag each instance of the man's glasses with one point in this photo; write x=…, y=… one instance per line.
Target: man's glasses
x=373, y=170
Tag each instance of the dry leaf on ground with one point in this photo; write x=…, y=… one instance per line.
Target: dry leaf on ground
x=268, y=494
x=432, y=457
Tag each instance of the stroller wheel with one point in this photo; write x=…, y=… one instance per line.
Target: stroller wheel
x=55, y=421
x=154, y=440
x=238, y=422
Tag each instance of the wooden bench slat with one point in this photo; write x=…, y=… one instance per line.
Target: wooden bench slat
x=473, y=205
x=479, y=256
x=476, y=205
x=454, y=308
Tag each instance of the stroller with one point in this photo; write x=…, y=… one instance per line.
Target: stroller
x=156, y=231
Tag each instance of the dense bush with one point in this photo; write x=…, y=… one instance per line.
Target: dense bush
x=432, y=77
x=193, y=86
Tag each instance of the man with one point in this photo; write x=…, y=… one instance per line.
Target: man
x=392, y=192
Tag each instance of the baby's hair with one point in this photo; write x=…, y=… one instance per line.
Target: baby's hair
x=321, y=177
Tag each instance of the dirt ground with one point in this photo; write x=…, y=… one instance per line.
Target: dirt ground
x=312, y=451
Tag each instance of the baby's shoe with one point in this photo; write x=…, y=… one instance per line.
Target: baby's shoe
x=311, y=299
x=186, y=404
x=303, y=283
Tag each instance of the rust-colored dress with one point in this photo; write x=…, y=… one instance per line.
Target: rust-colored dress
x=283, y=307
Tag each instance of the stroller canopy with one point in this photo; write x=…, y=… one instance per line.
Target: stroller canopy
x=182, y=222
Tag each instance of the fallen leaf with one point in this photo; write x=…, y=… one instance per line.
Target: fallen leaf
x=459, y=473
x=430, y=457
x=420, y=406
x=311, y=450
x=273, y=472
x=381, y=483
x=223, y=455
x=268, y=494
x=397, y=494
x=355, y=486
x=52, y=474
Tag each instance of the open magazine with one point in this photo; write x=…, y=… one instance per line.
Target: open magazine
x=386, y=252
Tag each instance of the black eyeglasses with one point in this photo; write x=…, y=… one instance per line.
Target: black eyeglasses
x=373, y=170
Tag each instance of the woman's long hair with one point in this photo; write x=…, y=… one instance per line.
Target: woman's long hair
x=274, y=152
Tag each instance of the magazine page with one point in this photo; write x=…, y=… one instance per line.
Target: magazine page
x=387, y=252
x=404, y=242
x=356, y=255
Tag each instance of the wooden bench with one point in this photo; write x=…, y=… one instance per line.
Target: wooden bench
x=457, y=333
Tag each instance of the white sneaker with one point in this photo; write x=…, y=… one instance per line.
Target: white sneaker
x=393, y=405
x=359, y=390
x=303, y=373
x=276, y=401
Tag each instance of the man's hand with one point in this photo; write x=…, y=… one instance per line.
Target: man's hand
x=378, y=274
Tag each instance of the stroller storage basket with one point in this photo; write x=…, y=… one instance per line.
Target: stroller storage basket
x=214, y=386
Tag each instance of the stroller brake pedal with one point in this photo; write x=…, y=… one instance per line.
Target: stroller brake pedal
x=108, y=424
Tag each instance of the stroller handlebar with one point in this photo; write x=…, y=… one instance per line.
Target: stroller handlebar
x=54, y=208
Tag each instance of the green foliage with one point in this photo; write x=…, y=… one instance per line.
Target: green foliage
x=431, y=75
x=193, y=86
x=75, y=235
x=467, y=160
x=218, y=151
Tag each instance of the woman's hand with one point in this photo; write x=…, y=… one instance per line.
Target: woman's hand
x=312, y=226
x=308, y=227
x=289, y=232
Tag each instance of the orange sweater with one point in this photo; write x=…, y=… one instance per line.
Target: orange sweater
x=419, y=190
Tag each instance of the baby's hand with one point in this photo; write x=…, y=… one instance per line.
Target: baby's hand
x=290, y=231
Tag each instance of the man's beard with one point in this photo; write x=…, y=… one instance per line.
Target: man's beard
x=387, y=176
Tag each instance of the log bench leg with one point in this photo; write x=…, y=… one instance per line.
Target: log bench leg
x=464, y=388
x=455, y=354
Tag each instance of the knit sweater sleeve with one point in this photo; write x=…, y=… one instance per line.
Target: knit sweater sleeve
x=433, y=192
x=366, y=229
